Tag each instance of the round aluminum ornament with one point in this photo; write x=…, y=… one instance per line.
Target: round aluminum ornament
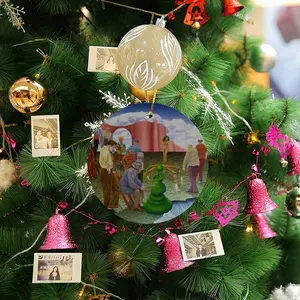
x=151, y=169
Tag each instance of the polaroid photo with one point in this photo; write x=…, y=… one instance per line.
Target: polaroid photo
x=201, y=245
x=45, y=135
x=103, y=59
x=57, y=267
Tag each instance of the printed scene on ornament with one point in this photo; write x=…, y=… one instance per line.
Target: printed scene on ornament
x=151, y=170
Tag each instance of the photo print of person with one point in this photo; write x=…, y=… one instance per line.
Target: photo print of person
x=57, y=267
x=151, y=170
x=102, y=59
x=45, y=135
x=201, y=245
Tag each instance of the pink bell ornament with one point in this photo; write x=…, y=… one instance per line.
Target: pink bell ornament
x=173, y=260
x=58, y=233
x=258, y=201
x=294, y=159
x=263, y=229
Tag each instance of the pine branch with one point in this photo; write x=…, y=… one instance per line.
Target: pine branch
x=285, y=113
x=13, y=13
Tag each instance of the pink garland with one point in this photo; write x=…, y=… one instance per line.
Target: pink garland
x=279, y=141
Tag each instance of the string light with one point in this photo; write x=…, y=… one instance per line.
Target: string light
x=252, y=137
x=249, y=228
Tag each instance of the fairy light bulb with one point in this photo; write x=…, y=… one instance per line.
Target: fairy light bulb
x=249, y=228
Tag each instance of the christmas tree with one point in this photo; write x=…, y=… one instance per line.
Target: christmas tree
x=48, y=48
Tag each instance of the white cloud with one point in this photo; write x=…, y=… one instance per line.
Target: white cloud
x=181, y=132
x=130, y=118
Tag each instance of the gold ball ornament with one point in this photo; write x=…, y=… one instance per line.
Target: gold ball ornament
x=27, y=95
x=142, y=95
x=121, y=263
x=149, y=56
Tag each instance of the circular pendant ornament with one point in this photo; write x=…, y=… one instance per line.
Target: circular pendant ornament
x=152, y=170
x=27, y=95
x=149, y=57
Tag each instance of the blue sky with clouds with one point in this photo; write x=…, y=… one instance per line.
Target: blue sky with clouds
x=180, y=129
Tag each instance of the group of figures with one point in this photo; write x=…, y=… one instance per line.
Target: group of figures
x=122, y=172
x=194, y=162
x=113, y=158
x=45, y=140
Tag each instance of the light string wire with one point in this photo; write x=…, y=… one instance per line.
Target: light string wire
x=90, y=191
x=102, y=290
x=142, y=10
x=218, y=92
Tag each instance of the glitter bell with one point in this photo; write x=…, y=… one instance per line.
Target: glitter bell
x=294, y=159
x=263, y=229
x=259, y=200
x=58, y=233
x=173, y=260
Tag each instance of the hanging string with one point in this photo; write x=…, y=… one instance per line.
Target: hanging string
x=143, y=10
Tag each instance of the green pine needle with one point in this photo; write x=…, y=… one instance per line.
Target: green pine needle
x=96, y=264
x=74, y=184
x=42, y=173
x=53, y=291
x=180, y=95
x=142, y=251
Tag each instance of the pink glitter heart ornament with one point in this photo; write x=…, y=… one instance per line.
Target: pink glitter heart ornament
x=225, y=211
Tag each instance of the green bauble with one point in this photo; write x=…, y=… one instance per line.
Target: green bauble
x=293, y=202
x=157, y=203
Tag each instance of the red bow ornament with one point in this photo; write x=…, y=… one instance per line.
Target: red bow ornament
x=194, y=13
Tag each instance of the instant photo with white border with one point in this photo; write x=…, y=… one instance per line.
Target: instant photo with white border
x=200, y=245
x=45, y=135
x=57, y=267
x=103, y=59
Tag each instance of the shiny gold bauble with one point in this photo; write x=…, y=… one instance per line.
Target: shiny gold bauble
x=121, y=263
x=142, y=95
x=27, y=95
